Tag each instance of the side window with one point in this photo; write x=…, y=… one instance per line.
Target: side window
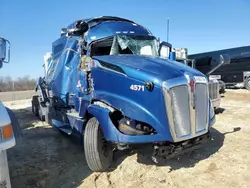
x=102, y=47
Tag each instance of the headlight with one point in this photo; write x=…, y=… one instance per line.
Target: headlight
x=6, y=132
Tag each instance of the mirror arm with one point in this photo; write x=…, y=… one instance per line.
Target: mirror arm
x=222, y=61
x=213, y=69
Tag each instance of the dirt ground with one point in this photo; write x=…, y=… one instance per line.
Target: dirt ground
x=46, y=158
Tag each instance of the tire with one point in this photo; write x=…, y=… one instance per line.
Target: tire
x=98, y=158
x=48, y=118
x=40, y=113
x=34, y=110
x=247, y=83
x=222, y=86
x=35, y=104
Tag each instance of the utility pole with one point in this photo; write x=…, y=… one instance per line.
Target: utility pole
x=167, y=28
x=13, y=90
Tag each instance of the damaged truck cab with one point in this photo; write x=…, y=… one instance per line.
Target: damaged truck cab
x=106, y=81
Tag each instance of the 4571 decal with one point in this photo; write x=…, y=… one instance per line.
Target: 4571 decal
x=137, y=87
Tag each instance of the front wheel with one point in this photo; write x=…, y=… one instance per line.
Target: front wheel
x=35, y=104
x=247, y=83
x=40, y=113
x=98, y=152
x=222, y=86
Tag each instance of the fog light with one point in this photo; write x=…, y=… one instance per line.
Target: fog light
x=7, y=131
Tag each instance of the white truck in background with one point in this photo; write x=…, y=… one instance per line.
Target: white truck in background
x=9, y=127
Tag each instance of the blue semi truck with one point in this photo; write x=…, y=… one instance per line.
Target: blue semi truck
x=110, y=81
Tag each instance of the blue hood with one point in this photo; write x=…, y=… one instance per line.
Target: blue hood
x=147, y=67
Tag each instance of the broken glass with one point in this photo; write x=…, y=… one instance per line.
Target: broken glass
x=139, y=45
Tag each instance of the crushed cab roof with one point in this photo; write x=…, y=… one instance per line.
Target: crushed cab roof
x=108, y=26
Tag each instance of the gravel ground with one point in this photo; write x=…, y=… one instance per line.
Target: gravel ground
x=46, y=158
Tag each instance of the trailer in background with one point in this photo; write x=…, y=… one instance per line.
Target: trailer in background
x=236, y=74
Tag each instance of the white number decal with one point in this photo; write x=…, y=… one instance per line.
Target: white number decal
x=137, y=87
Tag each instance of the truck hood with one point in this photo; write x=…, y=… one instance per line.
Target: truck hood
x=143, y=67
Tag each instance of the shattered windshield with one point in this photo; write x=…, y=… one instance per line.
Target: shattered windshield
x=139, y=45
x=126, y=44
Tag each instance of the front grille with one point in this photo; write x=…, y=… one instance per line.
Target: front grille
x=187, y=112
x=214, y=88
x=201, y=106
x=180, y=110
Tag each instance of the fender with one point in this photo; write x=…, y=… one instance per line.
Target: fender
x=134, y=111
x=113, y=135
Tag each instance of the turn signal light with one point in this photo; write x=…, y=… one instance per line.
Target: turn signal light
x=7, y=131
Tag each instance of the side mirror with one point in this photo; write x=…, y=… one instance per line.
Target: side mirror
x=80, y=28
x=165, y=49
x=4, y=44
x=225, y=59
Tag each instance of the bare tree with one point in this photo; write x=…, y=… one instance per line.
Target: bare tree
x=2, y=84
x=19, y=84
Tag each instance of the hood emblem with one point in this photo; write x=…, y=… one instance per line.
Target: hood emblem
x=191, y=83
